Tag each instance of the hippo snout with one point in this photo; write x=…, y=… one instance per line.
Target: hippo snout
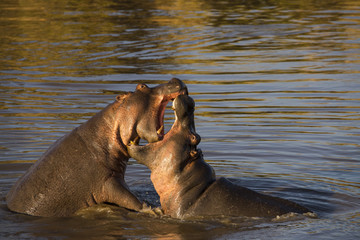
x=176, y=85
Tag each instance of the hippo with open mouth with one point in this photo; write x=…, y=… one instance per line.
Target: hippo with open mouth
x=87, y=166
x=187, y=185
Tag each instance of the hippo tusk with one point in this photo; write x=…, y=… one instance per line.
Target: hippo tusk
x=160, y=130
x=135, y=141
x=173, y=105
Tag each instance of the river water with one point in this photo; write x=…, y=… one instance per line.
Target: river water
x=277, y=91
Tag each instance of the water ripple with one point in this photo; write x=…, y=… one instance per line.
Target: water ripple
x=276, y=85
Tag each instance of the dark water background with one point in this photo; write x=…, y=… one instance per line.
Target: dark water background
x=276, y=84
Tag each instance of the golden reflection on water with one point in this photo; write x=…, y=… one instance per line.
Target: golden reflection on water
x=100, y=31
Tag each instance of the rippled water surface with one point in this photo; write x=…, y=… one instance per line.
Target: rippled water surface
x=277, y=91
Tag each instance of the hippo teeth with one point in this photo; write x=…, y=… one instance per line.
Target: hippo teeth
x=135, y=141
x=160, y=130
x=173, y=105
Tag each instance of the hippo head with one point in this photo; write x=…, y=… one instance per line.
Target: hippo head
x=178, y=171
x=178, y=146
x=144, y=110
x=184, y=107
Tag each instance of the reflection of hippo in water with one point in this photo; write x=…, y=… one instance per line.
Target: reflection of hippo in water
x=187, y=185
x=87, y=166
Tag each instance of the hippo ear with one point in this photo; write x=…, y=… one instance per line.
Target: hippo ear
x=122, y=96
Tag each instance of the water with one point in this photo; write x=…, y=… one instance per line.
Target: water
x=277, y=91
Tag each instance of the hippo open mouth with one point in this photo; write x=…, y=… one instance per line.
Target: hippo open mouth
x=160, y=130
x=161, y=114
x=146, y=110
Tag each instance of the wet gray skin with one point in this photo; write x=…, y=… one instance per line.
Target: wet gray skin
x=87, y=166
x=187, y=185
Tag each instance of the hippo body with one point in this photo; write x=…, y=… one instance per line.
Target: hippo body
x=87, y=166
x=224, y=198
x=187, y=185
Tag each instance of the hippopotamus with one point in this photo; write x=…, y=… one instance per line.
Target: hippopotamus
x=187, y=185
x=87, y=166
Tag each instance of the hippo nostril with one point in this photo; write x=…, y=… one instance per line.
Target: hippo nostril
x=195, y=139
x=194, y=153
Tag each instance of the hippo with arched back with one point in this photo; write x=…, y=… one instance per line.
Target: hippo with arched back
x=187, y=185
x=87, y=166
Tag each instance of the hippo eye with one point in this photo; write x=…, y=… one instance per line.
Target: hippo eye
x=141, y=86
